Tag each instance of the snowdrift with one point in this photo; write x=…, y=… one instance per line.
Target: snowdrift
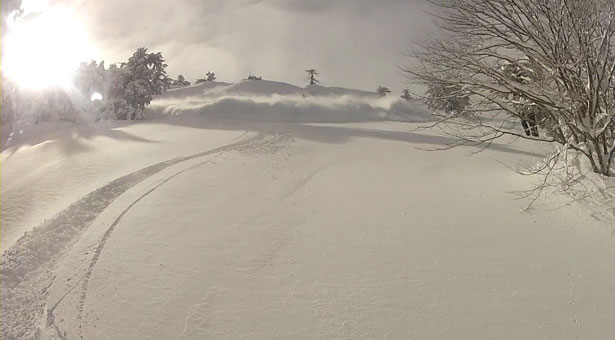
x=261, y=100
x=194, y=90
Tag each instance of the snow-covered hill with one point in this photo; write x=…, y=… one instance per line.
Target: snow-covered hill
x=194, y=90
x=262, y=100
x=262, y=88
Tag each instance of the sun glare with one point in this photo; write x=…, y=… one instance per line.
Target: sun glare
x=96, y=96
x=44, y=49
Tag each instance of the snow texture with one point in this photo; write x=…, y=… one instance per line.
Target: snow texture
x=272, y=226
x=262, y=100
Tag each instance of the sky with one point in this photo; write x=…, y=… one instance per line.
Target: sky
x=352, y=43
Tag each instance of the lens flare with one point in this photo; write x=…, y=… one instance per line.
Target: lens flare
x=44, y=49
x=96, y=96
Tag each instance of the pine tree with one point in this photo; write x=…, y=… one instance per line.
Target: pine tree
x=133, y=84
x=181, y=81
x=209, y=76
x=311, y=78
x=382, y=91
x=8, y=113
x=90, y=79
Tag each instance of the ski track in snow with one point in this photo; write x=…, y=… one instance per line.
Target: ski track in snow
x=86, y=279
x=26, y=266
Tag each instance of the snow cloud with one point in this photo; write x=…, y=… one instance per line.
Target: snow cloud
x=354, y=43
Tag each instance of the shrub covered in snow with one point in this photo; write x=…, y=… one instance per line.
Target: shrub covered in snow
x=181, y=81
x=382, y=91
x=209, y=76
x=253, y=77
x=22, y=108
x=405, y=94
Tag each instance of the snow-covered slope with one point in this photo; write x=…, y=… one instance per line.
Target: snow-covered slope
x=190, y=228
x=318, y=90
x=45, y=174
x=261, y=87
x=194, y=90
x=262, y=100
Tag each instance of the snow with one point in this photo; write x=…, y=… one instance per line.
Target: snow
x=274, y=226
x=194, y=90
x=262, y=100
x=262, y=87
x=43, y=175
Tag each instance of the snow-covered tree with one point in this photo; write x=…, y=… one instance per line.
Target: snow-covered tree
x=382, y=91
x=209, y=76
x=531, y=115
x=448, y=98
x=57, y=105
x=181, y=81
x=311, y=76
x=115, y=105
x=253, y=77
x=88, y=80
x=133, y=84
x=571, y=45
x=148, y=71
x=8, y=110
x=405, y=94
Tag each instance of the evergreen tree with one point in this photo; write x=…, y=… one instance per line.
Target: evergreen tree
x=8, y=113
x=383, y=91
x=181, y=81
x=311, y=76
x=406, y=94
x=133, y=84
x=209, y=76
x=90, y=79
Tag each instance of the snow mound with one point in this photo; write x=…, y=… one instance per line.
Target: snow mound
x=318, y=90
x=271, y=101
x=261, y=87
x=297, y=109
x=194, y=90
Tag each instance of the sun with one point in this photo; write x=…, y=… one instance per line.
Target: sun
x=44, y=49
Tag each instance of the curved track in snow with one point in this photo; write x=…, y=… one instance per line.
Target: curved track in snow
x=339, y=231
x=27, y=265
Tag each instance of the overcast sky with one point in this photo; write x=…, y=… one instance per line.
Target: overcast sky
x=353, y=43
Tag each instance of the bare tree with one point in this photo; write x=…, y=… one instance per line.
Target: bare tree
x=311, y=78
x=549, y=63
